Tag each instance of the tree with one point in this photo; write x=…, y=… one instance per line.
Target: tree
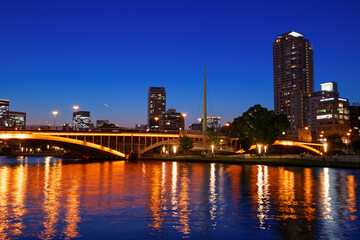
x=185, y=143
x=356, y=145
x=258, y=125
x=335, y=142
x=213, y=138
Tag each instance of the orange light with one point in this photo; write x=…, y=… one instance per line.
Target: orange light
x=184, y=114
x=55, y=113
x=227, y=124
x=156, y=118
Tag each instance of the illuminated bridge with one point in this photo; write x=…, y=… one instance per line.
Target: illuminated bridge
x=106, y=144
x=121, y=144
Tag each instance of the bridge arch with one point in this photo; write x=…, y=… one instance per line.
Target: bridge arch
x=308, y=146
x=158, y=144
x=63, y=140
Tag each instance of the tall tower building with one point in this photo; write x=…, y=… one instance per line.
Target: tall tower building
x=156, y=106
x=293, y=78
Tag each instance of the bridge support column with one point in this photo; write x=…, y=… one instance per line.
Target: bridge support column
x=132, y=143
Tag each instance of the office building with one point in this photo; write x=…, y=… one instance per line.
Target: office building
x=100, y=123
x=293, y=78
x=171, y=120
x=214, y=122
x=4, y=107
x=13, y=119
x=355, y=121
x=81, y=120
x=328, y=90
x=156, y=106
x=333, y=117
x=140, y=126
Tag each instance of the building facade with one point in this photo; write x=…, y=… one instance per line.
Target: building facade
x=81, y=120
x=156, y=106
x=293, y=78
x=100, y=123
x=355, y=121
x=13, y=119
x=171, y=120
x=328, y=90
x=4, y=107
x=214, y=122
x=333, y=117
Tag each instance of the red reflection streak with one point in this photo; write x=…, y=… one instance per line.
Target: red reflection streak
x=234, y=172
x=155, y=198
x=287, y=194
x=51, y=204
x=351, y=186
x=184, y=202
x=19, y=179
x=3, y=202
x=309, y=210
x=72, y=215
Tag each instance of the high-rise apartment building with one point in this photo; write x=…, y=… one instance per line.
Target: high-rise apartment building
x=156, y=106
x=293, y=78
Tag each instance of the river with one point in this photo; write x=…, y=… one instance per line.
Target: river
x=52, y=198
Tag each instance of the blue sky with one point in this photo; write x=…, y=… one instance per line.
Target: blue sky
x=54, y=54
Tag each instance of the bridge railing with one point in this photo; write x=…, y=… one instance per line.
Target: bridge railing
x=111, y=130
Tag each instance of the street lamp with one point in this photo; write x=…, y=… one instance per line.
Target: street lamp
x=259, y=149
x=265, y=147
x=227, y=124
x=212, y=150
x=163, y=149
x=156, y=120
x=55, y=113
x=325, y=147
x=75, y=107
x=174, y=148
x=184, y=116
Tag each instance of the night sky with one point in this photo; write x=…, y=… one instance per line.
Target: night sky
x=55, y=54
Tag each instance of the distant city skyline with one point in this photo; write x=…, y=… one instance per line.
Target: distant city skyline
x=104, y=56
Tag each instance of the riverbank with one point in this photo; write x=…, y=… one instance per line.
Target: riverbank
x=310, y=161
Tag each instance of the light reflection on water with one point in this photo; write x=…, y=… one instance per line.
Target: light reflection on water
x=48, y=198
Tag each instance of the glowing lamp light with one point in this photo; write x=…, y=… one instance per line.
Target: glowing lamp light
x=76, y=107
x=259, y=148
x=265, y=147
x=212, y=149
x=325, y=147
x=184, y=114
x=55, y=113
x=174, y=148
x=227, y=124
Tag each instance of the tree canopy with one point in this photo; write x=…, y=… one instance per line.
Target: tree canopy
x=258, y=125
x=185, y=143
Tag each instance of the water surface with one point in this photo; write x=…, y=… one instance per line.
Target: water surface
x=49, y=198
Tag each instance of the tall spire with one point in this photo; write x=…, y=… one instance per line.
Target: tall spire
x=204, y=103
